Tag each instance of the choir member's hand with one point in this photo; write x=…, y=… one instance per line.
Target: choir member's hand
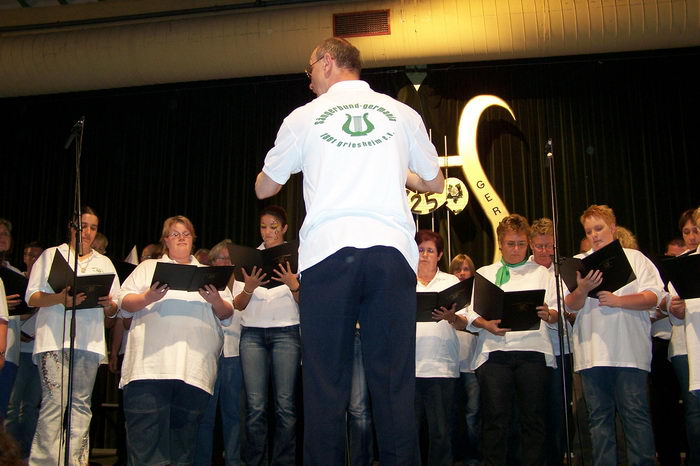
x=155, y=293
x=570, y=316
x=608, y=299
x=285, y=275
x=591, y=281
x=210, y=294
x=13, y=300
x=492, y=326
x=108, y=305
x=67, y=300
x=677, y=307
x=543, y=313
x=445, y=314
x=254, y=280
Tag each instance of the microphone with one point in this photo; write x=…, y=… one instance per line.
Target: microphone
x=77, y=128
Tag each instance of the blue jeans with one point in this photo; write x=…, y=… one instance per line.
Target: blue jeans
x=624, y=389
x=227, y=396
x=376, y=287
x=359, y=412
x=691, y=406
x=270, y=352
x=7, y=381
x=23, y=410
x=162, y=417
x=470, y=388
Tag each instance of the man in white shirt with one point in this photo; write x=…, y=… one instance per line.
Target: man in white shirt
x=357, y=255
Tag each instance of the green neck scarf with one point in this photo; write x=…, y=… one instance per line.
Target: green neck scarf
x=503, y=274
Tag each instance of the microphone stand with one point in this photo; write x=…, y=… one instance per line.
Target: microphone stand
x=561, y=322
x=77, y=134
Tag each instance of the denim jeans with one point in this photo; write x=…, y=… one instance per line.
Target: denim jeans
x=508, y=380
x=624, y=389
x=472, y=446
x=54, y=393
x=162, y=417
x=691, y=406
x=377, y=287
x=361, y=440
x=434, y=404
x=270, y=353
x=227, y=396
x=23, y=410
x=7, y=381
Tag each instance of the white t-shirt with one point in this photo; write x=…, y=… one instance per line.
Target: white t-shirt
x=437, y=347
x=686, y=337
x=553, y=331
x=613, y=336
x=529, y=276
x=355, y=147
x=178, y=337
x=53, y=322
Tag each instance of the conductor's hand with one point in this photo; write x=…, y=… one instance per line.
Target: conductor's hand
x=155, y=293
x=255, y=279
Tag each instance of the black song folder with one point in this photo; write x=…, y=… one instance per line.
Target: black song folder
x=459, y=294
x=15, y=283
x=684, y=273
x=94, y=286
x=243, y=257
x=610, y=260
x=516, y=309
x=190, y=277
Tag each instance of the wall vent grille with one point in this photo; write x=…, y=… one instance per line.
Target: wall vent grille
x=361, y=23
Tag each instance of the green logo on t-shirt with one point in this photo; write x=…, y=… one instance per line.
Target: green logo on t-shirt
x=357, y=123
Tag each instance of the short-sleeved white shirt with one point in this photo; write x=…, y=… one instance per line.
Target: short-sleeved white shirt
x=529, y=276
x=355, y=147
x=178, y=337
x=614, y=336
x=437, y=347
x=52, y=321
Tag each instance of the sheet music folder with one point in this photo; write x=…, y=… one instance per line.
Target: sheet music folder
x=684, y=273
x=94, y=286
x=190, y=277
x=610, y=260
x=459, y=294
x=243, y=257
x=515, y=309
x=15, y=283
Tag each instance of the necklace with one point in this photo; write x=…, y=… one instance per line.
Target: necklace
x=83, y=267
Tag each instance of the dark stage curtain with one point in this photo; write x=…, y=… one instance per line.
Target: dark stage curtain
x=622, y=128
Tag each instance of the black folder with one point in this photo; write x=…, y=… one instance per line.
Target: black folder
x=123, y=269
x=610, y=259
x=516, y=309
x=190, y=277
x=94, y=286
x=15, y=283
x=243, y=257
x=684, y=273
x=459, y=294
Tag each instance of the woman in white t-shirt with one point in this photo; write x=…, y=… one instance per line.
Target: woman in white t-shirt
x=270, y=349
x=612, y=346
x=171, y=356
x=52, y=341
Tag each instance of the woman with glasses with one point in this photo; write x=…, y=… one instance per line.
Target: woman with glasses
x=612, y=344
x=513, y=367
x=270, y=349
x=171, y=356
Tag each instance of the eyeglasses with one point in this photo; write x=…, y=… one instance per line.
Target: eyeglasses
x=177, y=234
x=542, y=247
x=514, y=244
x=309, y=69
x=426, y=251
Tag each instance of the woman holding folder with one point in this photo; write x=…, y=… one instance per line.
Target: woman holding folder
x=513, y=367
x=612, y=346
x=270, y=348
x=171, y=356
x=52, y=341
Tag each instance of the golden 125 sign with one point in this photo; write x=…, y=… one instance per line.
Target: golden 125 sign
x=455, y=194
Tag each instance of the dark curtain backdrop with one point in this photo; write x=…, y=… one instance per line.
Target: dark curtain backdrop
x=622, y=127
